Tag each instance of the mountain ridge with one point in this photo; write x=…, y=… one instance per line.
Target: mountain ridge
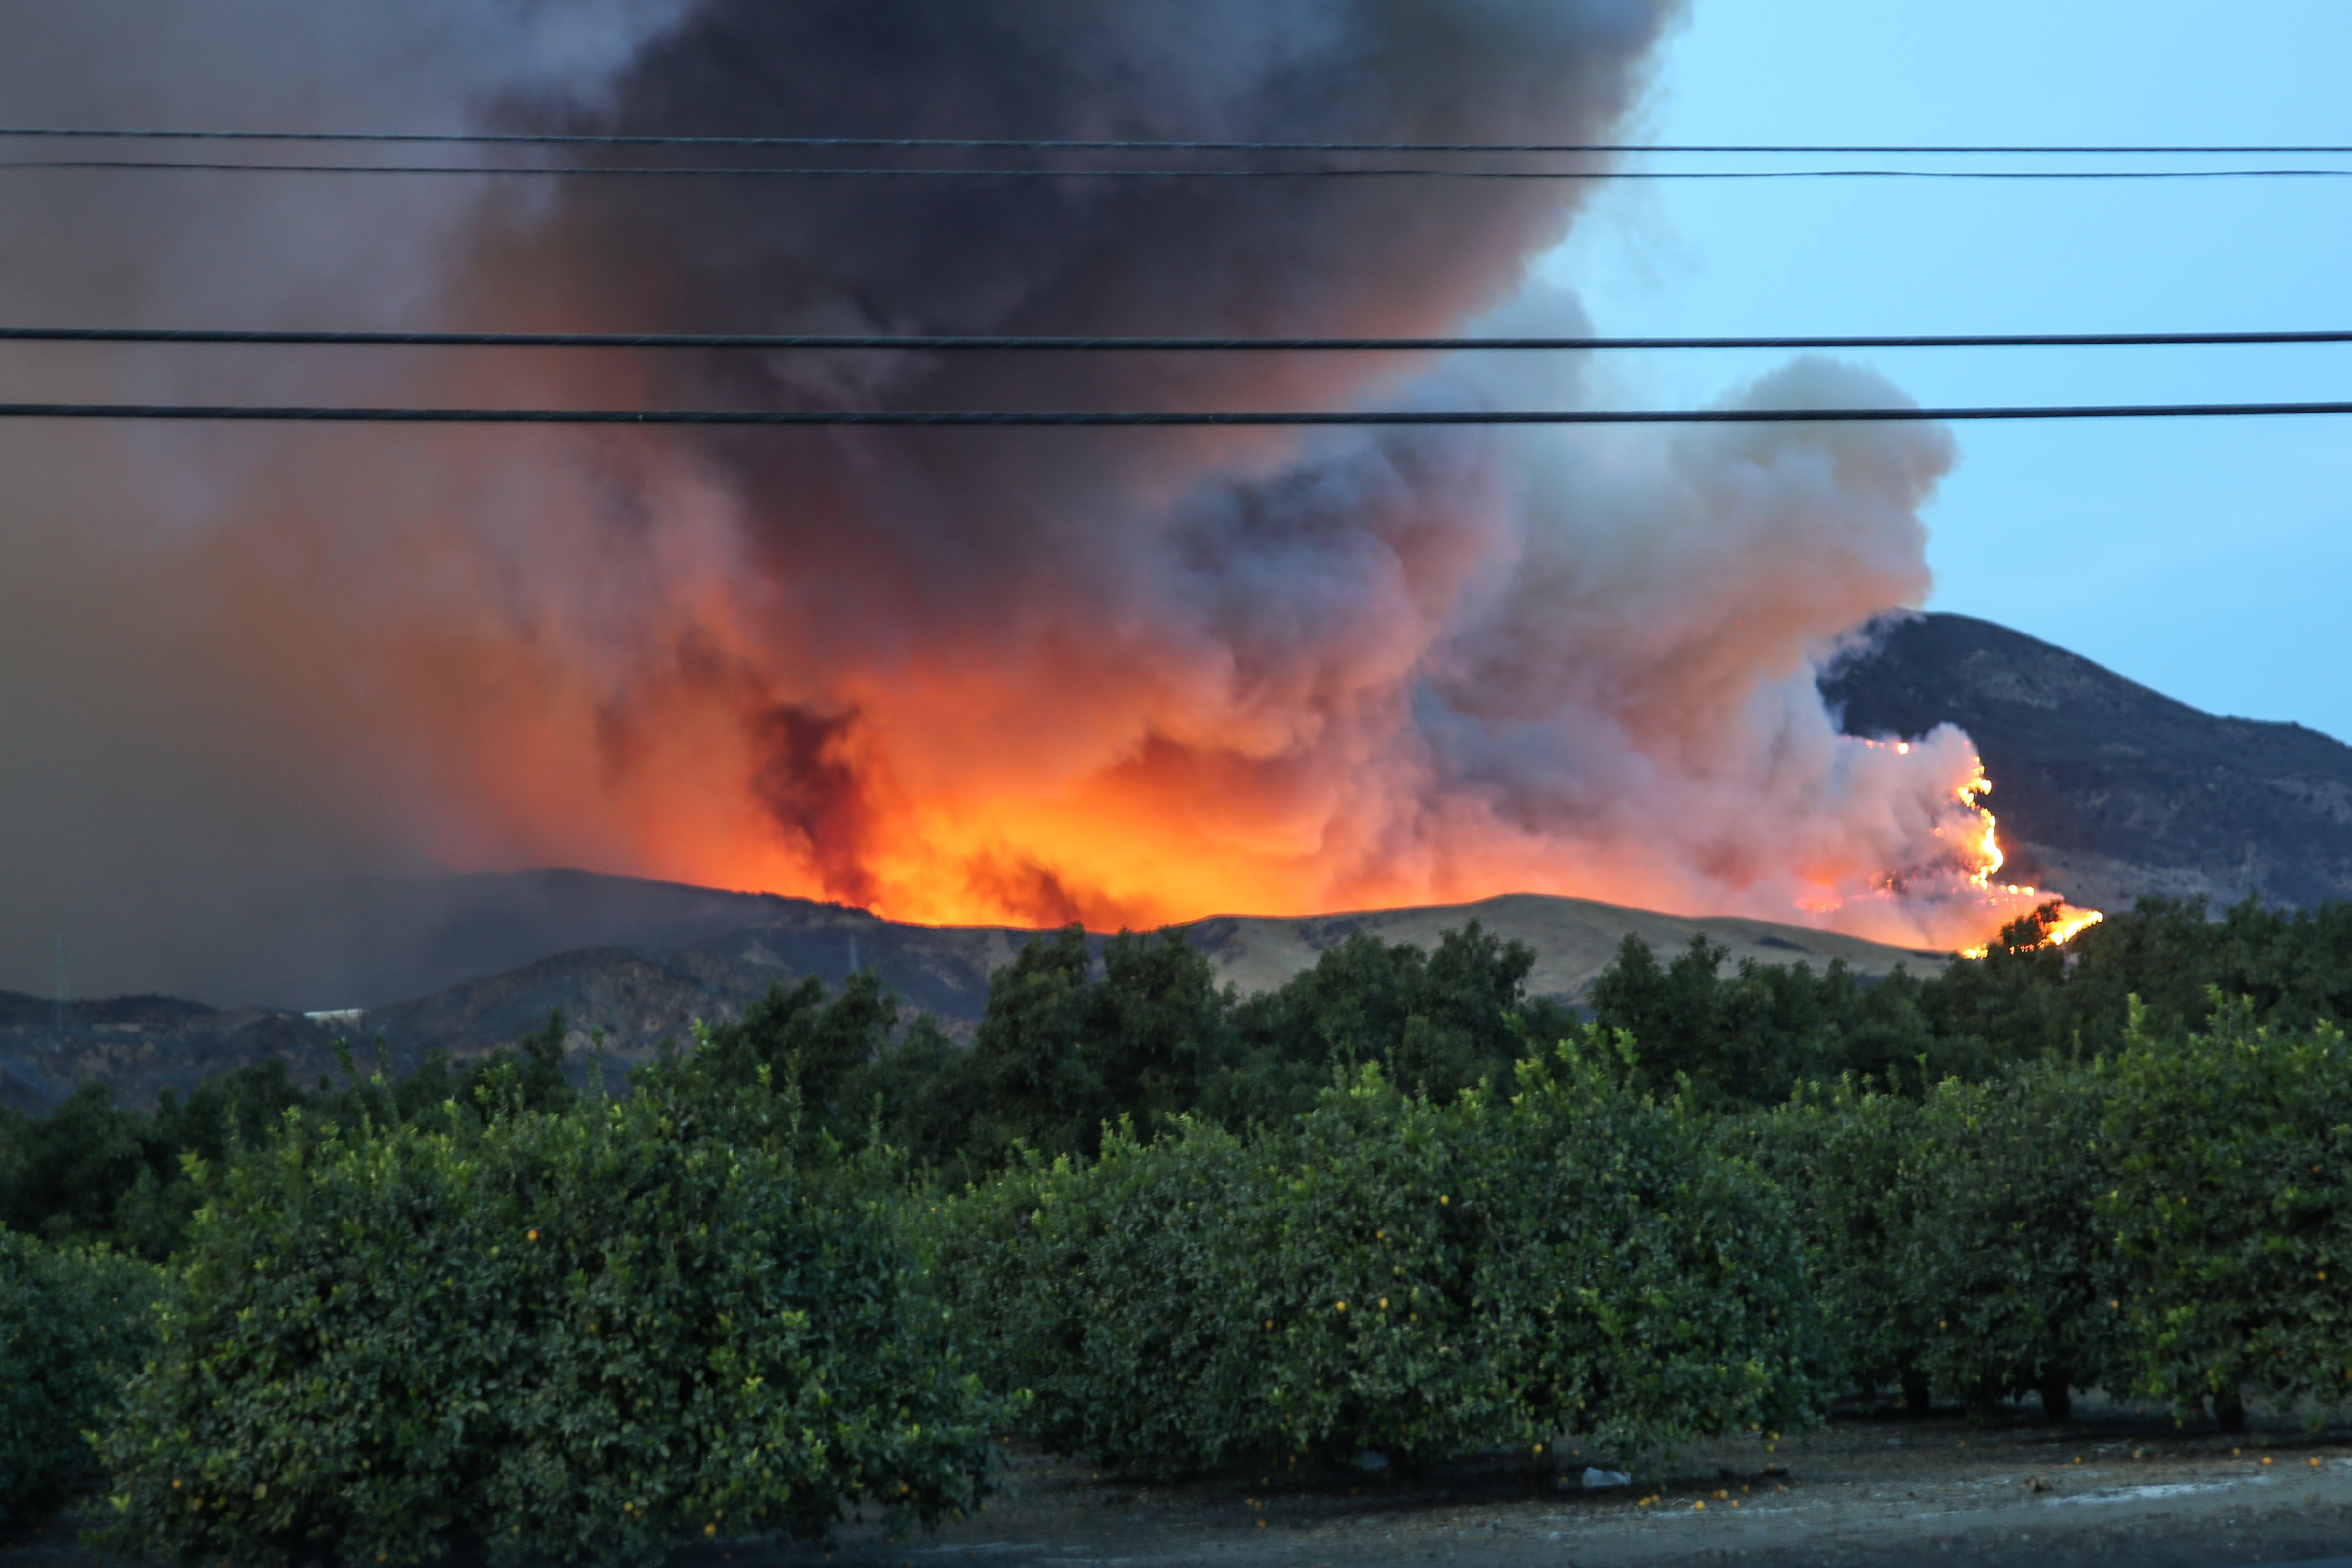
x=625, y=999
x=2104, y=788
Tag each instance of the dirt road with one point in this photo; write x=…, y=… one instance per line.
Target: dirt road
x=2116, y=1488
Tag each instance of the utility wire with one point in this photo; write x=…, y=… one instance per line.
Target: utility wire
x=153, y=165
x=999, y=417
x=1031, y=144
x=1003, y=344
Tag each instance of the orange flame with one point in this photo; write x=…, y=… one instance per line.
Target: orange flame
x=2068, y=921
x=942, y=789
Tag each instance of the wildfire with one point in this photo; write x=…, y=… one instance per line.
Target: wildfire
x=1916, y=864
x=2062, y=921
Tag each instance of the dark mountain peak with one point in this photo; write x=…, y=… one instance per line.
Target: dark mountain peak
x=2103, y=788
x=1914, y=662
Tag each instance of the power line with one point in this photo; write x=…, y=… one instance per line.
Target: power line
x=1002, y=143
x=567, y=171
x=1006, y=417
x=61, y=1010
x=1020, y=343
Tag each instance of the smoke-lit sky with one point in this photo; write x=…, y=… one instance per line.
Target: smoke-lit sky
x=2210, y=560
x=1122, y=676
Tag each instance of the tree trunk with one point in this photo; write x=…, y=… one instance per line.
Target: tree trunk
x=1914, y=1394
x=2229, y=1409
x=2057, y=1398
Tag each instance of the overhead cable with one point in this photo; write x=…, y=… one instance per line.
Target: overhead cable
x=568, y=170
x=1004, y=144
x=308, y=413
x=930, y=343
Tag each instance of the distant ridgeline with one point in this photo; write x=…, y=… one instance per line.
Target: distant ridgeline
x=2103, y=788
x=1077, y=1034
x=463, y=963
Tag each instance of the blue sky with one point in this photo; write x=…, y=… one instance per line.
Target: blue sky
x=2210, y=560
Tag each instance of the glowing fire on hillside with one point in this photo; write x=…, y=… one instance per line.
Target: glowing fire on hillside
x=1120, y=677
x=2064, y=923
x=1179, y=834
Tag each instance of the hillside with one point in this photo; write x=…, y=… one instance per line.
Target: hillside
x=143, y=1044
x=2105, y=789
x=634, y=995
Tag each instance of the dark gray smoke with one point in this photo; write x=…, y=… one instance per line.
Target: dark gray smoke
x=1117, y=675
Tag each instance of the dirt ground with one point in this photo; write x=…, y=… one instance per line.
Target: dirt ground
x=2113, y=1487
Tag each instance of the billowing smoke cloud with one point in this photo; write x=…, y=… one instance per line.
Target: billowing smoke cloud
x=1122, y=676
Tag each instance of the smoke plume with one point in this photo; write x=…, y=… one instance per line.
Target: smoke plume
x=1121, y=676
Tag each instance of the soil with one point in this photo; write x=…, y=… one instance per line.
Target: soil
x=2112, y=1487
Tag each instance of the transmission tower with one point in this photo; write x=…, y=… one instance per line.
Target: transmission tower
x=61, y=1014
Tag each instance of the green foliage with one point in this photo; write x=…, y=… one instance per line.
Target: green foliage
x=2292, y=968
x=91, y=1171
x=1060, y=1054
x=2011, y=1003
x=2007, y=1247
x=2024, y=997
x=1389, y=1273
x=797, y=1036
x=579, y=1335
x=917, y=1092
x=1949, y=1188
x=1845, y=1155
x=61, y=1176
x=1369, y=1228
x=1650, y=1289
x=73, y=1322
x=2230, y=1205
x=1108, y=1296
x=1754, y=1035
x=526, y=1075
x=1436, y=1023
